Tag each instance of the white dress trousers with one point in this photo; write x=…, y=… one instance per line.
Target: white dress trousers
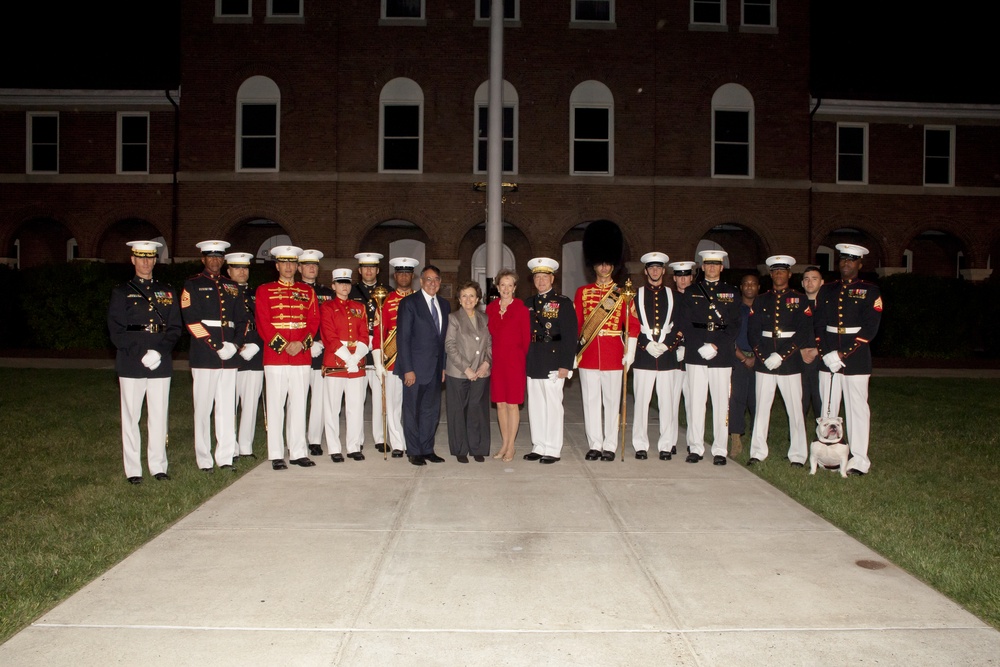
x=281, y=384
x=545, y=415
x=703, y=381
x=371, y=377
x=350, y=392
x=249, y=385
x=156, y=392
x=214, y=388
x=601, y=388
x=666, y=384
x=791, y=392
x=854, y=390
x=317, y=425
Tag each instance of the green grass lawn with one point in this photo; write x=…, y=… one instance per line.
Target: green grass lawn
x=66, y=511
x=67, y=514
x=931, y=502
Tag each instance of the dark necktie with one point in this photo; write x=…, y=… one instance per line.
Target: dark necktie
x=434, y=314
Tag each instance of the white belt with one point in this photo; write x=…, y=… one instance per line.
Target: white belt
x=218, y=323
x=780, y=334
x=843, y=330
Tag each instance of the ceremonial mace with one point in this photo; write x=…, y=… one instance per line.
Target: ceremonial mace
x=378, y=295
x=628, y=293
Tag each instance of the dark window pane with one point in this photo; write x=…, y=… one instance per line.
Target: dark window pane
x=732, y=160
x=44, y=129
x=852, y=140
x=134, y=129
x=757, y=13
x=591, y=123
x=936, y=171
x=484, y=125
x=234, y=8
x=401, y=121
x=484, y=9
x=938, y=143
x=44, y=158
x=401, y=154
x=134, y=158
x=732, y=126
x=508, y=156
x=402, y=9
x=285, y=8
x=590, y=156
x=593, y=10
x=259, y=154
x=260, y=120
x=508, y=122
x=707, y=11
x=851, y=168
x=482, y=155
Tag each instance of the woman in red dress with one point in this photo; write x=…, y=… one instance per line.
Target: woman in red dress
x=511, y=332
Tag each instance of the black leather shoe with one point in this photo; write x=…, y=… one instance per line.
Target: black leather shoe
x=161, y=477
x=608, y=456
x=316, y=450
x=641, y=455
x=532, y=456
x=719, y=461
x=693, y=458
x=305, y=462
x=753, y=461
x=665, y=456
x=796, y=464
x=278, y=464
x=398, y=453
x=418, y=461
x=135, y=480
x=462, y=458
x=673, y=450
x=548, y=459
x=357, y=456
x=854, y=472
x=479, y=459
x=433, y=458
x=380, y=447
x=208, y=471
x=337, y=458
x=592, y=455
x=230, y=468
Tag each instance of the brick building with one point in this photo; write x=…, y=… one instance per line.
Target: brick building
x=359, y=125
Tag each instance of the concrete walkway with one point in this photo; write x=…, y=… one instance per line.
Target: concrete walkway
x=578, y=563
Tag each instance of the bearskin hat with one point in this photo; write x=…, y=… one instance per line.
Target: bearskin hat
x=603, y=243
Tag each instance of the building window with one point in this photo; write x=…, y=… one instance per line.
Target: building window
x=43, y=143
x=758, y=12
x=133, y=143
x=939, y=149
x=594, y=10
x=509, y=127
x=257, y=125
x=403, y=9
x=591, y=129
x=291, y=8
x=232, y=8
x=510, y=10
x=401, y=122
x=732, y=132
x=852, y=153
x=712, y=12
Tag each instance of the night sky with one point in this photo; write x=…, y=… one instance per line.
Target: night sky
x=867, y=49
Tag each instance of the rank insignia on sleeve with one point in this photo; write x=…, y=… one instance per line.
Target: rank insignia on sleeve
x=878, y=304
x=185, y=299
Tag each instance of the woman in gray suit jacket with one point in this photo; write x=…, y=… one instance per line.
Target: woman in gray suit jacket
x=467, y=377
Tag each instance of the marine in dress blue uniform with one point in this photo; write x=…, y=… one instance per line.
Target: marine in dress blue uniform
x=144, y=320
x=250, y=377
x=361, y=292
x=315, y=434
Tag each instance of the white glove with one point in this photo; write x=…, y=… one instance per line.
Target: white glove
x=151, y=359
x=680, y=354
x=554, y=375
x=249, y=350
x=833, y=361
x=227, y=351
x=317, y=348
x=629, y=354
x=379, y=368
x=773, y=361
x=655, y=349
x=707, y=351
x=343, y=353
x=361, y=350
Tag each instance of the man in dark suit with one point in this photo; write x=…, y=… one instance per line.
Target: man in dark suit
x=420, y=361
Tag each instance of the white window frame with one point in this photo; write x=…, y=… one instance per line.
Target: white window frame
x=31, y=143
x=591, y=22
x=485, y=20
x=722, y=13
x=121, y=142
x=864, y=155
x=401, y=91
x=220, y=15
x=951, y=155
x=263, y=91
x=404, y=20
x=482, y=100
x=591, y=95
x=773, y=12
x=734, y=97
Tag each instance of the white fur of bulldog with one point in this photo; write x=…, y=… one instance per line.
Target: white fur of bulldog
x=829, y=451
